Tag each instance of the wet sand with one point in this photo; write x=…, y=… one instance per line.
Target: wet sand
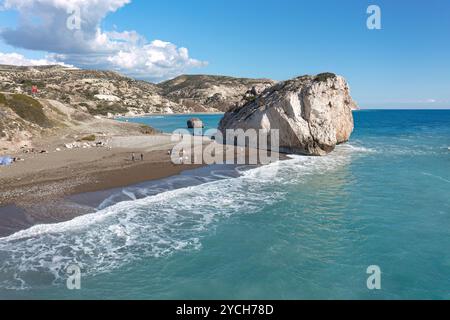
x=45, y=201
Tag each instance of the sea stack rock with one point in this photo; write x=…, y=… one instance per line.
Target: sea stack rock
x=312, y=113
x=195, y=123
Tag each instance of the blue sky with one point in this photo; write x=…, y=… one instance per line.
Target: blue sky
x=405, y=64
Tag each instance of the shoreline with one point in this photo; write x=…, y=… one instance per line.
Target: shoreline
x=55, y=206
x=47, y=178
x=35, y=191
x=44, y=200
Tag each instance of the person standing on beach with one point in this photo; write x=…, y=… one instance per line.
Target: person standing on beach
x=132, y=157
x=182, y=156
x=142, y=157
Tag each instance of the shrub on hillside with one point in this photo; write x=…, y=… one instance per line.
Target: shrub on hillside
x=29, y=109
x=2, y=98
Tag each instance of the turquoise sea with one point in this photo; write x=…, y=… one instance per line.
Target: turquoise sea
x=304, y=228
x=170, y=123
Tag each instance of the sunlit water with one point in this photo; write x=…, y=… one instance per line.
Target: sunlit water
x=307, y=227
x=170, y=123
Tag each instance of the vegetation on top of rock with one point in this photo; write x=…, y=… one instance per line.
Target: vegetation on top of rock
x=322, y=77
x=28, y=109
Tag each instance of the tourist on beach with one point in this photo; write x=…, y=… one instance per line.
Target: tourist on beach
x=142, y=157
x=182, y=156
x=132, y=157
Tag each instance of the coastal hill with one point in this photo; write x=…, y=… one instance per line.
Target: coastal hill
x=213, y=92
x=26, y=122
x=57, y=101
x=110, y=93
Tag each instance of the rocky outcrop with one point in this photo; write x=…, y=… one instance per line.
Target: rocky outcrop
x=194, y=123
x=312, y=113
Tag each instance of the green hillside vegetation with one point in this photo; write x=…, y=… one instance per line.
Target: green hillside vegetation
x=28, y=109
x=2, y=99
x=203, y=82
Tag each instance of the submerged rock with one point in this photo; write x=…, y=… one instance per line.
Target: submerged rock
x=312, y=113
x=195, y=123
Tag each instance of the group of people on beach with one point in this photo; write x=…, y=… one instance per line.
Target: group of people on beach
x=181, y=156
x=133, y=157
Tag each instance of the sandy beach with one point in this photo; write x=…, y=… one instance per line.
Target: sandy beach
x=49, y=177
x=32, y=191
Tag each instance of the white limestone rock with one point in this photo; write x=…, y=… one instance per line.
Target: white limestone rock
x=313, y=114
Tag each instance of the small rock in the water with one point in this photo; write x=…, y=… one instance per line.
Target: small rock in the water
x=195, y=123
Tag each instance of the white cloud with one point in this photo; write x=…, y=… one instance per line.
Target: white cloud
x=161, y=59
x=16, y=59
x=43, y=26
